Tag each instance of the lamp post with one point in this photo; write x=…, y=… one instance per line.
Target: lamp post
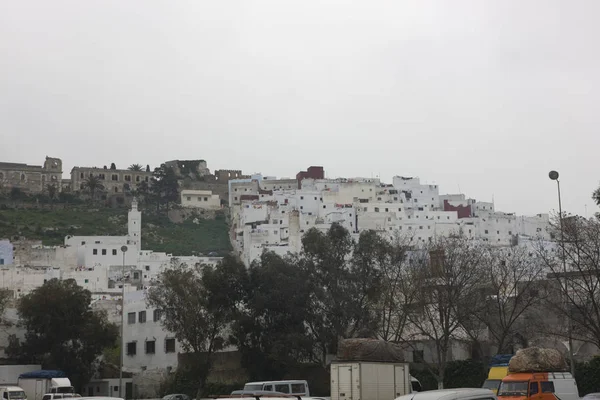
x=123, y=250
x=554, y=176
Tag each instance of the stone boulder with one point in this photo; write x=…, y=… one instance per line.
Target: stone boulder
x=369, y=350
x=535, y=359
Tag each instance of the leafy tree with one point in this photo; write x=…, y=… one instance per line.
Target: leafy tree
x=17, y=194
x=52, y=191
x=113, y=166
x=199, y=303
x=447, y=275
x=340, y=288
x=270, y=332
x=62, y=331
x=147, y=168
x=93, y=184
x=596, y=196
x=136, y=167
x=164, y=188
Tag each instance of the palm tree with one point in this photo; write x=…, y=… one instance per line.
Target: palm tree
x=136, y=167
x=93, y=184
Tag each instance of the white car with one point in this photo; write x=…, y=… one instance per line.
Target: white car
x=451, y=394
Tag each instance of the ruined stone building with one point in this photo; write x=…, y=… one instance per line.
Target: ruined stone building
x=31, y=178
x=113, y=180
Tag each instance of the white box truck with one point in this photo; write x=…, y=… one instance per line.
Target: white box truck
x=38, y=383
x=362, y=380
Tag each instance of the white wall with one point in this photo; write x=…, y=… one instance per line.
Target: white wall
x=204, y=199
x=143, y=332
x=6, y=252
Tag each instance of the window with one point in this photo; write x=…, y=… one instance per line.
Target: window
x=131, y=348
x=86, y=281
x=510, y=232
x=486, y=231
x=298, y=388
x=147, y=268
x=82, y=243
x=282, y=388
x=189, y=198
x=498, y=232
x=95, y=252
x=169, y=345
x=156, y=315
x=150, y=347
x=136, y=275
x=115, y=388
x=376, y=209
x=128, y=178
x=103, y=252
x=142, y=317
x=131, y=318
x=417, y=356
x=137, y=178
x=547, y=387
x=115, y=177
x=114, y=252
x=533, y=388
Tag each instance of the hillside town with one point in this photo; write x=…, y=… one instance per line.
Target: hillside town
x=270, y=217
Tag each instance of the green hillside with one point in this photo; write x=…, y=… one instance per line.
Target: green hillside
x=159, y=233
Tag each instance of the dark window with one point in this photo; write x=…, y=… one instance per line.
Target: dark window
x=150, y=347
x=533, y=388
x=131, y=348
x=547, y=387
x=156, y=315
x=131, y=318
x=169, y=345
x=114, y=252
x=282, y=388
x=142, y=317
x=417, y=355
x=298, y=388
x=115, y=389
x=103, y=252
x=95, y=252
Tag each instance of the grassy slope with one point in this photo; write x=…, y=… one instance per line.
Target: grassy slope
x=158, y=232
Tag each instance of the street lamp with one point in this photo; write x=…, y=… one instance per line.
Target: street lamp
x=554, y=176
x=123, y=250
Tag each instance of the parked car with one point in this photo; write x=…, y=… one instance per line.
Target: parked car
x=451, y=394
x=176, y=397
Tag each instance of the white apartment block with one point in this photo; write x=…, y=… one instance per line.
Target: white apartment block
x=147, y=344
x=273, y=214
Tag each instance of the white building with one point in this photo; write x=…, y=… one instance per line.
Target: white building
x=273, y=215
x=203, y=199
x=147, y=344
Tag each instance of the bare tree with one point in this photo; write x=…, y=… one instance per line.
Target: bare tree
x=574, y=269
x=511, y=288
x=397, y=292
x=446, y=274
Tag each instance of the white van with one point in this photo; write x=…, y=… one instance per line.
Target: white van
x=293, y=387
x=12, y=393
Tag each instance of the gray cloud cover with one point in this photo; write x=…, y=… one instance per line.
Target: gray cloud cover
x=483, y=95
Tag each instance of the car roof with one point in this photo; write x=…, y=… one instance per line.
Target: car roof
x=280, y=381
x=11, y=388
x=448, y=394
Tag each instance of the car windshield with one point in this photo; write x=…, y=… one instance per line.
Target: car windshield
x=17, y=394
x=491, y=384
x=513, y=389
x=253, y=388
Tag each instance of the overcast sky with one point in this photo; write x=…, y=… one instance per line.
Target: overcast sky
x=479, y=96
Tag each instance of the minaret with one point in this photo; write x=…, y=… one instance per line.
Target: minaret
x=134, y=225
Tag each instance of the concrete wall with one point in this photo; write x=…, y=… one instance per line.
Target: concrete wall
x=113, y=180
x=31, y=178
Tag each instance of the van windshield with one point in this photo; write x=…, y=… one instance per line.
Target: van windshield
x=253, y=388
x=491, y=384
x=513, y=389
x=17, y=394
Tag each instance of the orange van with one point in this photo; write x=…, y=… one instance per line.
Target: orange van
x=538, y=386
